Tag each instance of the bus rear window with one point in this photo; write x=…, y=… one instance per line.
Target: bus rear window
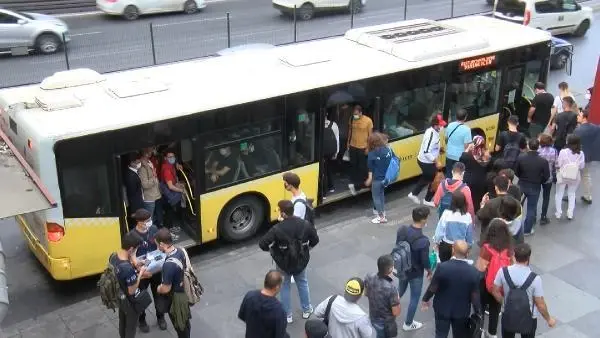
x=85, y=190
x=511, y=7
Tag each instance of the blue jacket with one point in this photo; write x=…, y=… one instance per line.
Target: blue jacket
x=590, y=141
x=378, y=161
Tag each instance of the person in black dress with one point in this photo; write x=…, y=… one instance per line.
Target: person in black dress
x=476, y=160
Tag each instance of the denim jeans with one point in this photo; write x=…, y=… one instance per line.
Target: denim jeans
x=416, y=285
x=303, y=291
x=531, y=191
x=149, y=206
x=378, y=194
x=546, y=187
x=379, y=329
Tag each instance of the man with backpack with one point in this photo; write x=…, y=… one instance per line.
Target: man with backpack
x=302, y=206
x=119, y=285
x=458, y=137
x=342, y=314
x=443, y=195
x=411, y=260
x=523, y=296
x=511, y=142
x=176, y=302
x=289, y=243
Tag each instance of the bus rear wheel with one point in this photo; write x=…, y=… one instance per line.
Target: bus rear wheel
x=241, y=218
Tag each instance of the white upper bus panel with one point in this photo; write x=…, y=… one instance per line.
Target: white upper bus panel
x=136, y=87
x=71, y=78
x=418, y=40
x=51, y=101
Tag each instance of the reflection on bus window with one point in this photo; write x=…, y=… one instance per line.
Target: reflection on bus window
x=85, y=190
x=407, y=112
x=475, y=93
x=241, y=160
x=532, y=75
x=302, y=137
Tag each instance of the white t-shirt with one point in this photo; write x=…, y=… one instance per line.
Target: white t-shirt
x=558, y=103
x=299, y=208
x=518, y=274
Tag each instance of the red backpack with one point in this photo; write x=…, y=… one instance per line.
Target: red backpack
x=497, y=262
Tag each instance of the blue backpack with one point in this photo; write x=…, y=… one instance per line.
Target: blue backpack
x=393, y=170
x=446, y=199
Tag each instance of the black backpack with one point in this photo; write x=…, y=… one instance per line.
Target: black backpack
x=518, y=315
x=329, y=141
x=511, y=153
x=293, y=257
x=309, y=215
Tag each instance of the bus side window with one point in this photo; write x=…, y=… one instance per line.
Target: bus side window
x=301, y=124
x=85, y=190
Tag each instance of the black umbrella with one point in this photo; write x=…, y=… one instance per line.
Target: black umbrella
x=357, y=91
x=339, y=97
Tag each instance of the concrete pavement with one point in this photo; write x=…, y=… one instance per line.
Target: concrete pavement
x=565, y=254
x=108, y=44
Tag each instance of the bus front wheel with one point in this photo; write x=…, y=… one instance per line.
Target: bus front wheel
x=241, y=218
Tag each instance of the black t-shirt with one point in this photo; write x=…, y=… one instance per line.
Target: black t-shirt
x=172, y=274
x=126, y=273
x=565, y=124
x=543, y=103
x=229, y=162
x=148, y=244
x=508, y=136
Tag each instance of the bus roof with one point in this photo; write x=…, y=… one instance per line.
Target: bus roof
x=134, y=97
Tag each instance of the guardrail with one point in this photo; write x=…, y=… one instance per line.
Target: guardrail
x=143, y=44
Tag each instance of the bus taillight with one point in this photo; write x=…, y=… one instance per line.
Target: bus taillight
x=55, y=232
x=527, y=17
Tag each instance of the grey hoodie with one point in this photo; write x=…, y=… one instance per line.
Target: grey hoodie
x=346, y=320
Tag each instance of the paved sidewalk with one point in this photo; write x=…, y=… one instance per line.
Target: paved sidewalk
x=565, y=254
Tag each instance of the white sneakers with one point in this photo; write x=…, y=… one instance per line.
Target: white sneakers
x=379, y=220
x=305, y=315
x=413, y=326
x=416, y=200
x=352, y=189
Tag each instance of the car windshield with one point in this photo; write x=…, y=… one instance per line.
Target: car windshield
x=511, y=7
x=26, y=15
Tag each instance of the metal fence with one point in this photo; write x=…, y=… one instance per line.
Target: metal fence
x=123, y=45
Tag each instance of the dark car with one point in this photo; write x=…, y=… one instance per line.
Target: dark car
x=561, y=53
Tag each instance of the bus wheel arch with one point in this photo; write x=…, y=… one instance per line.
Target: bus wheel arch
x=242, y=216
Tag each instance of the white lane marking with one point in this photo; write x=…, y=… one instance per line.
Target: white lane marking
x=88, y=33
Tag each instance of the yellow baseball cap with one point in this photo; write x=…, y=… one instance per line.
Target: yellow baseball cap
x=354, y=286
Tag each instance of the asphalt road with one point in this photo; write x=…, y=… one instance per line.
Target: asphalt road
x=108, y=44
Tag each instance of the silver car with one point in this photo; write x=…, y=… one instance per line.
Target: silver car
x=44, y=33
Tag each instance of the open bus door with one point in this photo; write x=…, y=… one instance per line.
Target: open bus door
x=594, y=116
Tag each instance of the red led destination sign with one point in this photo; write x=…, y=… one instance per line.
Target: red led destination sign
x=477, y=63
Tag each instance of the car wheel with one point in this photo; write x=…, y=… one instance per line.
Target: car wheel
x=48, y=43
x=306, y=11
x=355, y=6
x=131, y=12
x=583, y=28
x=241, y=218
x=190, y=7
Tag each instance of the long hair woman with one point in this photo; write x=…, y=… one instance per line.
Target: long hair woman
x=496, y=241
x=476, y=160
x=455, y=224
x=378, y=160
x=571, y=161
x=548, y=152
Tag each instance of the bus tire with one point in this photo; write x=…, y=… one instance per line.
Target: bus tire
x=241, y=218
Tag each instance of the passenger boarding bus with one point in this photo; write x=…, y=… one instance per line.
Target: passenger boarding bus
x=235, y=123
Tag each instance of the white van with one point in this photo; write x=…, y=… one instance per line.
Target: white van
x=306, y=9
x=554, y=16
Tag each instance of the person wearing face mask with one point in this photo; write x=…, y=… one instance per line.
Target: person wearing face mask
x=129, y=280
x=222, y=170
x=133, y=186
x=588, y=97
x=360, y=130
x=171, y=189
x=150, y=185
x=147, y=232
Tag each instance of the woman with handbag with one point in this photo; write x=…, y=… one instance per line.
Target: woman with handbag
x=571, y=161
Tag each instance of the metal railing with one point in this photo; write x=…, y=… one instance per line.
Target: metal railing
x=138, y=44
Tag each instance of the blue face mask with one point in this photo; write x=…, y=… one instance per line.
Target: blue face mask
x=171, y=160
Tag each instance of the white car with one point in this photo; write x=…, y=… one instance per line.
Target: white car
x=44, y=33
x=132, y=9
x=306, y=9
x=554, y=16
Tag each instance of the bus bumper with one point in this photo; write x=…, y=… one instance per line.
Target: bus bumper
x=59, y=268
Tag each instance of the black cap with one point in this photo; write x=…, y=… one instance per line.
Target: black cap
x=316, y=329
x=141, y=215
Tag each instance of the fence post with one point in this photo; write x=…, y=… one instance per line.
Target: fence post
x=405, y=8
x=64, y=42
x=228, y=31
x=152, y=43
x=351, y=14
x=451, y=8
x=295, y=25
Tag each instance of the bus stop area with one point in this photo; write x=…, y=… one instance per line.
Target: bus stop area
x=565, y=254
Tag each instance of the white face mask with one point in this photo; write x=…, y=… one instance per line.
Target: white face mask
x=148, y=224
x=137, y=167
x=224, y=151
x=588, y=96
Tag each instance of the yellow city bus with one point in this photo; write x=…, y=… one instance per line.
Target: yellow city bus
x=261, y=112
